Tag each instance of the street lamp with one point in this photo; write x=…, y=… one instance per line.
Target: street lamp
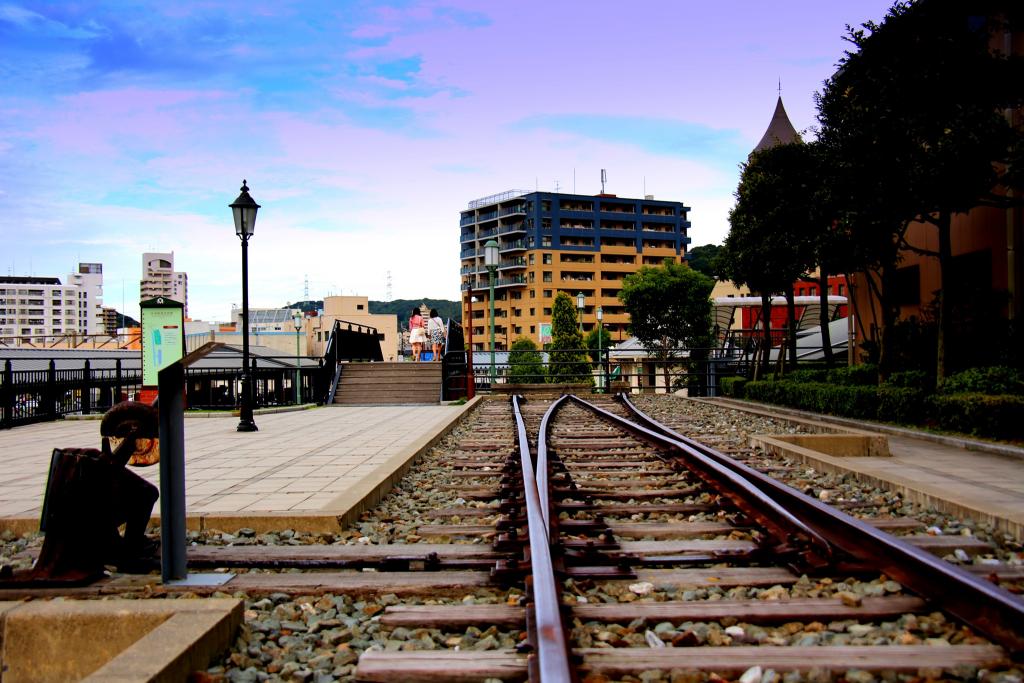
x=491, y=261
x=581, y=302
x=600, y=364
x=244, y=210
x=297, y=322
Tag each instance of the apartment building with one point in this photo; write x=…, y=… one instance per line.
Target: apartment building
x=551, y=242
x=33, y=310
x=160, y=279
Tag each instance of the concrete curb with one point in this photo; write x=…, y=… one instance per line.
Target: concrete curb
x=769, y=410
x=99, y=639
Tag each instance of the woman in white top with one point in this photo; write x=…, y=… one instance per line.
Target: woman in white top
x=435, y=328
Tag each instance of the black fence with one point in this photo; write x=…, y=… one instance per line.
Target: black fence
x=28, y=396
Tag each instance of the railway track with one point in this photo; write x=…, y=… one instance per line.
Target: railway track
x=707, y=522
x=627, y=552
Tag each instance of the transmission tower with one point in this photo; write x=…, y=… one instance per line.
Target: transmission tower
x=306, y=289
x=388, y=291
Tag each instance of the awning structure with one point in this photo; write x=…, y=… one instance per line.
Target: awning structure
x=725, y=308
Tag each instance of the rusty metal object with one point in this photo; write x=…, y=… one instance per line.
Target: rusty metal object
x=550, y=661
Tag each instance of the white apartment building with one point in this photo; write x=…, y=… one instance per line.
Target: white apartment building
x=35, y=308
x=160, y=279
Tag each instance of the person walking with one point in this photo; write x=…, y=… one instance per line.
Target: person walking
x=417, y=334
x=435, y=328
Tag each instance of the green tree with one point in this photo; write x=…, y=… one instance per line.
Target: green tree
x=773, y=227
x=702, y=259
x=916, y=114
x=567, y=357
x=670, y=309
x=590, y=341
x=525, y=363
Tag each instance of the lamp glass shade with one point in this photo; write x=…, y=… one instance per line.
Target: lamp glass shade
x=581, y=301
x=491, y=254
x=244, y=209
x=297, y=320
x=600, y=314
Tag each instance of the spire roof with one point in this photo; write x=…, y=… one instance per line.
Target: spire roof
x=780, y=130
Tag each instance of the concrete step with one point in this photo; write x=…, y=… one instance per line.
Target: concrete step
x=389, y=384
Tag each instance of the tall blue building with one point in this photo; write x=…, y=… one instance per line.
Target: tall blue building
x=551, y=242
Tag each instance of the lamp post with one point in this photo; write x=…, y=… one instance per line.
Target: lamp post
x=600, y=361
x=470, y=381
x=581, y=302
x=491, y=261
x=244, y=209
x=297, y=322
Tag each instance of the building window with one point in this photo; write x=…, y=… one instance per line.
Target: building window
x=547, y=293
x=545, y=223
x=841, y=290
x=546, y=259
x=359, y=307
x=533, y=311
x=547, y=311
x=533, y=292
x=516, y=296
x=530, y=279
x=545, y=241
x=545, y=205
x=531, y=259
x=547, y=276
x=533, y=329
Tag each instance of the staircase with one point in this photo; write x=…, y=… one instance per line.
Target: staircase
x=376, y=384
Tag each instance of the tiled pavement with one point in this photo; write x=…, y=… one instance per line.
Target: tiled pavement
x=297, y=463
x=984, y=480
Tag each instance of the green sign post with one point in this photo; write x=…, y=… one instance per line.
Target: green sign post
x=163, y=336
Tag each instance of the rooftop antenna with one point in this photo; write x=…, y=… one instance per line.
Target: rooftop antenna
x=780, y=87
x=604, y=179
x=557, y=187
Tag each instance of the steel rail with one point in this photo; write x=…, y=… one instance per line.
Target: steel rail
x=542, y=463
x=993, y=611
x=784, y=525
x=553, y=655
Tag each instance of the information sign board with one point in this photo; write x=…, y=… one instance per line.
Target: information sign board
x=163, y=336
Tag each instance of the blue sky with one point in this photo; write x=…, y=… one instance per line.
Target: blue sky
x=364, y=128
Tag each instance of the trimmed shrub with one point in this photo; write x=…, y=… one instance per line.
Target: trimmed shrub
x=996, y=379
x=854, y=375
x=816, y=375
x=972, y=413
x=912, y=379
x=733, y=386
x=906, y=405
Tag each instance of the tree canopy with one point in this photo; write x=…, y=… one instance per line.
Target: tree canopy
x=702, y=259
x=568, y=360
x=914, y=119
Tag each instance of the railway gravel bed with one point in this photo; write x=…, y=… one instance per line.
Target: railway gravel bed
x=450, y=497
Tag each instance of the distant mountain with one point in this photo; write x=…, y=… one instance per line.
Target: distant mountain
x=400, y=307
x=126, y=320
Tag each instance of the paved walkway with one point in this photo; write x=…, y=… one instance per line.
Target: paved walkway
x=302, y=463
x=956, y=475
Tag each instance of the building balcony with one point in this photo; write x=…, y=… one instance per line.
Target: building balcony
x=470, y=253
x=518, y=245
x=511, y=229
x=467, y=220
x=511, y=210
x=467, y=237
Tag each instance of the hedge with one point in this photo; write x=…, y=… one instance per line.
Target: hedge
x=994, y=380
x=733, y=386
x=1000, y=416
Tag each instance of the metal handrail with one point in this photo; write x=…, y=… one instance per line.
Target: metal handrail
x=552, y=647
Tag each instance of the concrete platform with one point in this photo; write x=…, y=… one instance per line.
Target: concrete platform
x=957, y=475
x=312, y=470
